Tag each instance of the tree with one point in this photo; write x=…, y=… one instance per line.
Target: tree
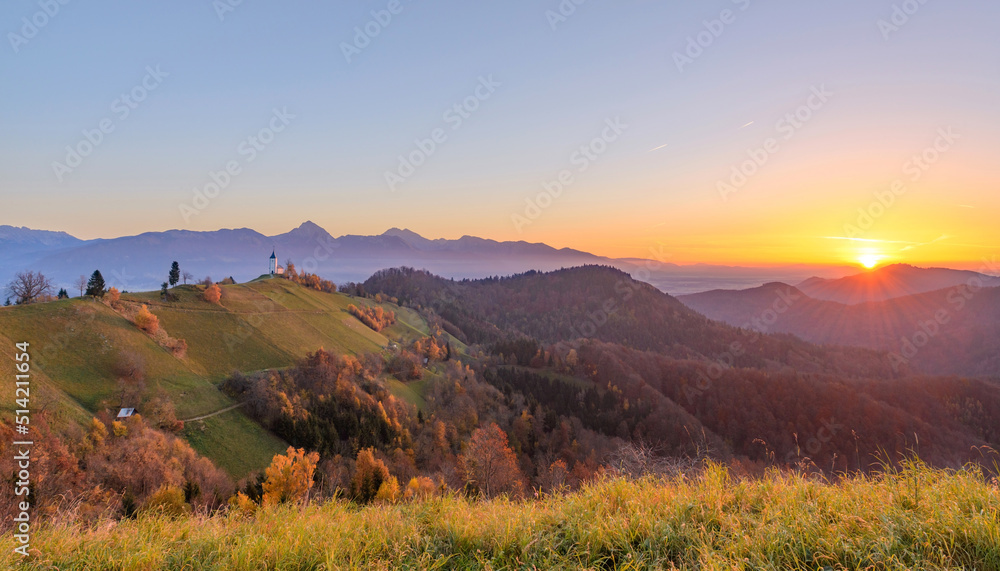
x=95, y=286
x=81, y=284
x=114, y=295
x=163, y=290
x=175, y=274
x=290, y=476
x=28, y=287
x=63, y=294
x=213, y=293
x=7, y=303
x=490, y=465
x=369, y=475
x=187, y=276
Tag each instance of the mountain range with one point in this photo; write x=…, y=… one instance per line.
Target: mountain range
x=953, y=329
x=141, y=262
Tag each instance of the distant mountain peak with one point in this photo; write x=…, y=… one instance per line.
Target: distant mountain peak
x=308, y=228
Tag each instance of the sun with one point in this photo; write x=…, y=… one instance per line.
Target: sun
x=869, y=261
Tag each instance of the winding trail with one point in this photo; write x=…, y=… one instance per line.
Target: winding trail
x=211, y=414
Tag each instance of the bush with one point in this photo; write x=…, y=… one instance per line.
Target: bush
x=388, y=492
x=212, y=294
x=374, y=317
x=146, y=321
x=168, y=500
x=420, y=487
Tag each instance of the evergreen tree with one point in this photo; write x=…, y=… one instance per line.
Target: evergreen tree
x=95, y=286
x=163, y=291
x=63, y=294
x=175, y=274
x=7, y=303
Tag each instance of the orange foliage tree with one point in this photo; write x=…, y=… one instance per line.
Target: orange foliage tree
x=290, y=477
x=213, y=293
x=369, y=475
x=490, y=465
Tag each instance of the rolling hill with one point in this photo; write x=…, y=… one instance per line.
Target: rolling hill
x=266, y=323
x=606, y=304
x=948, y=331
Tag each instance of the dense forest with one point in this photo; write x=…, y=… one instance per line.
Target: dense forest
x=638, y=365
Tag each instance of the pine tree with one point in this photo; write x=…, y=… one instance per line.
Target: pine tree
x=95, y=286
x=163, y=291
x=63, y=294
x=175, y=274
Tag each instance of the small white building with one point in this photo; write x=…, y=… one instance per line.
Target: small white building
x=273, y=267
x=126, y=412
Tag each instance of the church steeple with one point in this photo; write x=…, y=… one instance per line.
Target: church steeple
x=274, y=263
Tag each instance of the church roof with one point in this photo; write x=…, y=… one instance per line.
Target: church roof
x=272, y=255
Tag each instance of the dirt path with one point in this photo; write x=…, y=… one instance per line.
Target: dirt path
x=211, y=414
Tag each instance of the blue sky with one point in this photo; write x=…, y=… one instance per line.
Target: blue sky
x=223, y=79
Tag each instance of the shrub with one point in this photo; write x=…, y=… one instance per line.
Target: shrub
x=168, y=500
x=374, y=317
x=242, y=505
x=388, y=492
x=146, y=321
x=212, y=294
x=420, y=487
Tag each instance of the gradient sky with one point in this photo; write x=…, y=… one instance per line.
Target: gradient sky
x=654, y=188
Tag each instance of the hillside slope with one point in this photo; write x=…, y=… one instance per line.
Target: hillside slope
x=269, y=323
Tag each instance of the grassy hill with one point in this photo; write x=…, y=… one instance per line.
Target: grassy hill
x=263, y=324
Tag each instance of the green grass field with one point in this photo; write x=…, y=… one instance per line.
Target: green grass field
x=917, y=519
x=264, y=324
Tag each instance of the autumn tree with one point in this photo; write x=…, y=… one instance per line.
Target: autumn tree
x=369, y=475
x=95, y=285
x=146, y=321
x=186, y=276
x=290, y=477
x=212, y=294
x=29, y=287
x=175, y=274
x=113, y=295
x=489, y=465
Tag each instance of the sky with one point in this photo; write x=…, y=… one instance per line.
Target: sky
x=726, y=131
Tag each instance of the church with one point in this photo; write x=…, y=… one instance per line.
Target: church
x=273, y=268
